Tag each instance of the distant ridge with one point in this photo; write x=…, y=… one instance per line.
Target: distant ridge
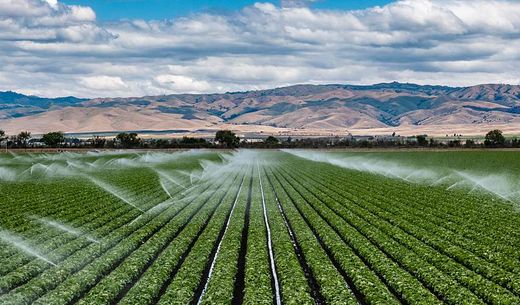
x=299, y=109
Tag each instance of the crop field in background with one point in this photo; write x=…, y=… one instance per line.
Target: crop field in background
x=260, y=227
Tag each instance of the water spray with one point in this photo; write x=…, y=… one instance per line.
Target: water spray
x=65, y=228
x=20, y=244
x=497, y=185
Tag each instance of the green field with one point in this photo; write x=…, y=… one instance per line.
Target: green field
x=260, y=227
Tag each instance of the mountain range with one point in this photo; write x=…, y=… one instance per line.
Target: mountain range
x=407, y=109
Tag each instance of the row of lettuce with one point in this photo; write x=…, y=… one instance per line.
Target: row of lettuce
x=339, y=237
x=419, y=255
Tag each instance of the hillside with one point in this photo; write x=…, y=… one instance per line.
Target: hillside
x=300, y=109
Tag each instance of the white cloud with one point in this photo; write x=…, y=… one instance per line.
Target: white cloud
x=45, y=21
x=49, y=48
x=53, y=3
x=103, y=82
x=181, y=84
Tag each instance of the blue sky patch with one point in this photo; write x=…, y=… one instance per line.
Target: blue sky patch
x=167, y=9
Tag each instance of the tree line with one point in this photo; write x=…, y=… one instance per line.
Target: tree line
x=228, y=139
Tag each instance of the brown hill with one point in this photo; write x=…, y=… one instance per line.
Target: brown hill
x=301, y=109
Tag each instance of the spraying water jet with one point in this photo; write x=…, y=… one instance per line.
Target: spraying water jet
x=65, y=228
x=20, y=244
x=112, y=190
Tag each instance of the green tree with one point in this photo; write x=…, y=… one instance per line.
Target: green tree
x=421, y=140
x=98, y=142
x=4, y=137
x=227, y=138
x=190, y=140
x=271, y=141
x=53, y=139
x=160, y=143
x=128, y=140
x=469, y=143
x=23, y=137
x=494, y=138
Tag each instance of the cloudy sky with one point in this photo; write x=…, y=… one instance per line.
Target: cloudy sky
x=104, y=48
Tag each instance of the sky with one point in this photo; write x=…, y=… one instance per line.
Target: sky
x=168, y=9
x=110, y=48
